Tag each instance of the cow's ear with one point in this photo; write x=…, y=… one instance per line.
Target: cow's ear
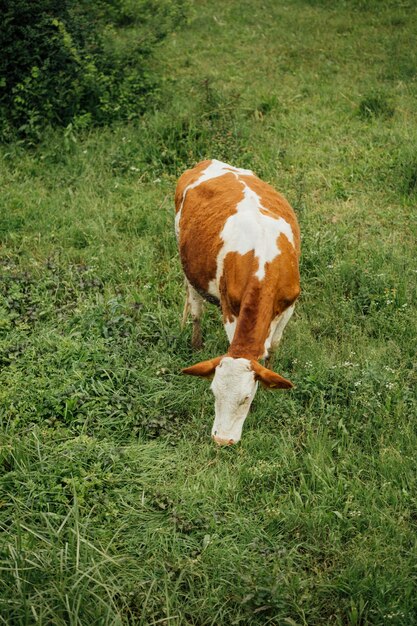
x=270, y=379
x=205, y=368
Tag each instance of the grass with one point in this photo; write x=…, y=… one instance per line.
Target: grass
x=115, y=507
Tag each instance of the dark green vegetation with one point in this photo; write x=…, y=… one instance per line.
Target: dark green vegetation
x=70, y=63
x=115, y=507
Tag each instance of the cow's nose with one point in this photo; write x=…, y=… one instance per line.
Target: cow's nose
x=223, y=442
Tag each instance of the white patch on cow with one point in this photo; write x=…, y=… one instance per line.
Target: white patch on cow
x=213, y=289
x=214, y=170
x=234, y=387
x=282, y=322
x=230, y=328
x=177, y=225
x=268, y=340
x=250, y=229
x=276, y=329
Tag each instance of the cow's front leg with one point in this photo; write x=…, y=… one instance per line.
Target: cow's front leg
x=275, y=336
x=194, y=305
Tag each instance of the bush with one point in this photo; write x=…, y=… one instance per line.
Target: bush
x=68, y=62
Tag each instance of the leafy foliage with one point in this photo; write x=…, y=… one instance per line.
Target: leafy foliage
x=62, y=62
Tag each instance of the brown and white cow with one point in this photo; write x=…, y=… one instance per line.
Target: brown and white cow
x=239, y=243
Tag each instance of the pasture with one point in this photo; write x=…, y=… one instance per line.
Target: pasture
x=116, y=508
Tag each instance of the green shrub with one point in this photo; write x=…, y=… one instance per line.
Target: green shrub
x=66, y=62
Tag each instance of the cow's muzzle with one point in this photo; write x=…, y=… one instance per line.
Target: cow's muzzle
x=223, y=442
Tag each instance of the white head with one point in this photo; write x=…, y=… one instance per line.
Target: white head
x=234, y=386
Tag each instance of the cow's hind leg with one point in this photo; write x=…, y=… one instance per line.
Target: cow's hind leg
x=194, y=305
x=282, y=321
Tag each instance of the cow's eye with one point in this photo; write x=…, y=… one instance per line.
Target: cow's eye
x=245, y=400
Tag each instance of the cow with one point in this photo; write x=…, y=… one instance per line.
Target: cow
x=239, y=243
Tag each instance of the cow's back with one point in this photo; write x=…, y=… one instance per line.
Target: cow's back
x=206, y=197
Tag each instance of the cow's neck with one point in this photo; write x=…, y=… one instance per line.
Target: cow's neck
x=253, y=325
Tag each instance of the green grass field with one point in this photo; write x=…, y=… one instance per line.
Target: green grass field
x=115, y=506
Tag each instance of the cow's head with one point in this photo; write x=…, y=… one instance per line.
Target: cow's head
x=234, y=386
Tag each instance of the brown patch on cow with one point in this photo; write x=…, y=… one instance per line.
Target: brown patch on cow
x=200, y=243
x=286, y=275
x=270, y=379
x=259, y=302
x=238, y=270
x=188, y=178
x=256, y=313
x=204, y=368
